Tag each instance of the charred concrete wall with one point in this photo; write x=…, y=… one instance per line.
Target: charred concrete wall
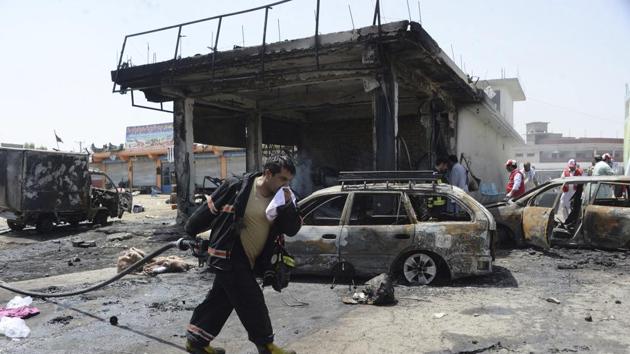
x=341, y=145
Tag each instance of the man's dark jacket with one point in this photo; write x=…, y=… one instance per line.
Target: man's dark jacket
x=230, y=199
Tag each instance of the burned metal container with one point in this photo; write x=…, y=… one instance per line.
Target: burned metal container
x=44, y=188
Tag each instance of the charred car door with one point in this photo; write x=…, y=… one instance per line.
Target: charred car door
x=378, y=228
x=606, y=221
x=538, y=216
x=315, y=247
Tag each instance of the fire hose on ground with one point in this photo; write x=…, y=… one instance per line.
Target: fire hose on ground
x=182, y=244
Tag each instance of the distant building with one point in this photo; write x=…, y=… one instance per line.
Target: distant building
x=551, y=151
x=10, y=145
x=143, y=161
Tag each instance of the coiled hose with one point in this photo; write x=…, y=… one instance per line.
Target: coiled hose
x=182, y=244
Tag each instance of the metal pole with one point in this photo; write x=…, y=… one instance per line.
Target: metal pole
x=376, y=12
x=317, y=35
x=179, y=33
x=279, y=30
x=262, y=54
x=216, y=43
x=351, y=18
x=122, y=51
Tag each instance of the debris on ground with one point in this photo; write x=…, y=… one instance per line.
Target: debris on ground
x=19, y=307
x=568, y=266
x=588, y=318
x=119, y=236
x=378, y=291
x=14, y=327
x=113, y=321
x=137, y=208
x=493, y=347
x=83, y=244
x=553, y=300
x=170, y=264
x=439, y=315
x=64, y=320
x=129, y=257
x=19, y=301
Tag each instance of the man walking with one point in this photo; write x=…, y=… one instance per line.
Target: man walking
x=458, y=175
x=241, y=246
x=568, y=192
x=604, y=167
x=515, y=186
x=529, y=173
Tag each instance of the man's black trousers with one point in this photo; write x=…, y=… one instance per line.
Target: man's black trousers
x=238, y=290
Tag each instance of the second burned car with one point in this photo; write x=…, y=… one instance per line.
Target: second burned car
x=408, y=226
x=598, y=214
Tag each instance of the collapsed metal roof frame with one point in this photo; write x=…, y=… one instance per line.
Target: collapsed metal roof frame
x=358, y=83
x=426, y=41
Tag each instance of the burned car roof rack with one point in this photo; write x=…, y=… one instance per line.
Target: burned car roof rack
x=361, y=179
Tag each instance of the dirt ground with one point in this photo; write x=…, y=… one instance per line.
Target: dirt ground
x=513, y=310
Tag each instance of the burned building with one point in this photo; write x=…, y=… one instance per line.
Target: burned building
x=383, y=97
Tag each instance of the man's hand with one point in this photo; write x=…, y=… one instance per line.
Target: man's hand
x=287, y=195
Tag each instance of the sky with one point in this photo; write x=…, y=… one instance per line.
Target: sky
x=572, y=56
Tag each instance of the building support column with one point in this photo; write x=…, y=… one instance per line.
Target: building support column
x=158, y=173
x=184, y=156
x=223, y=161
x=385, y=123
x=254, y=143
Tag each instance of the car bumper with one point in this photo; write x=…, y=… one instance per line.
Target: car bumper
x=464, y=266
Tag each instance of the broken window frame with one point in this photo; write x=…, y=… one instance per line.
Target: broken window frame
x=402, y=207
x=449, y=199
x=320, y=201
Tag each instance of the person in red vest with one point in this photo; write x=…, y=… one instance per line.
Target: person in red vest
x=568, y=191
x=516, y=184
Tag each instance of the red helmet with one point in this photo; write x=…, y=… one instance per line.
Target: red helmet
x=512, y=163
x=606, y=157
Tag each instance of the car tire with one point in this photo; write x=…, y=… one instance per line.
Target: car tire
x=419, y=268
x=100, y=218
x=45, y=224
x=15, y=226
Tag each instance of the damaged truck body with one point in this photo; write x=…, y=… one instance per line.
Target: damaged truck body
x=44, y=188
x=597, y=214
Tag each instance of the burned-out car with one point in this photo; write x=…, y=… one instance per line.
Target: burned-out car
x=575, y=211
x=417, y=230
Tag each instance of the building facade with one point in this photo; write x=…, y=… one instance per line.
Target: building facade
x=551, y=151
x=486, y=136
x=145, y=160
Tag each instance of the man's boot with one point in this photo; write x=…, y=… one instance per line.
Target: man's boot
x=271, y=348
x=191, y=348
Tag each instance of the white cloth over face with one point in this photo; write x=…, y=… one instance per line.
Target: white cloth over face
x=278, y=200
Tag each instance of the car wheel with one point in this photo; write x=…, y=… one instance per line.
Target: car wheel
x=15, y=226
x=419, y=269
x=100, y=218
x=44, y=224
